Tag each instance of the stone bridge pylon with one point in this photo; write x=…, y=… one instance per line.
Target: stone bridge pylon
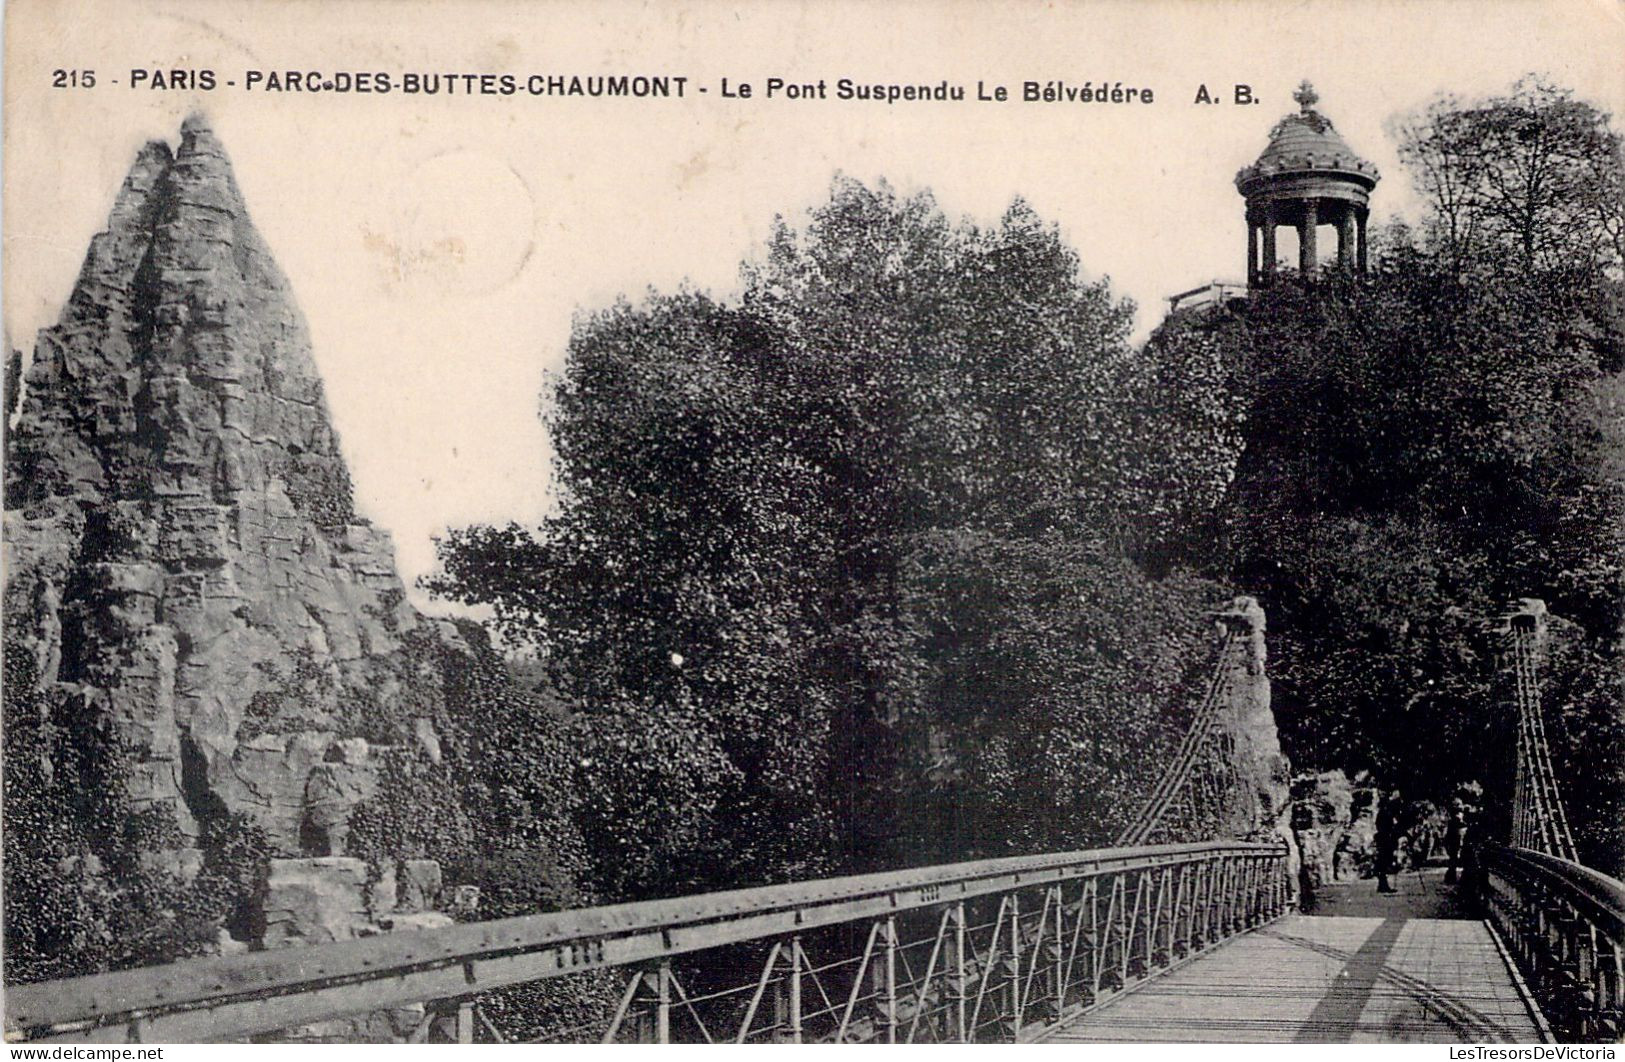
x=1228, y=778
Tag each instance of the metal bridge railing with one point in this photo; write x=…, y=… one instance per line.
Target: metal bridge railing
x=994, y=950
x=1565, y=927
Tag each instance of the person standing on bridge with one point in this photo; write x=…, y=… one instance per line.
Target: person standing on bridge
x=1387, y=840
x=1460, y=835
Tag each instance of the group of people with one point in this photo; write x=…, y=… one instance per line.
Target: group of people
x=1395, y=821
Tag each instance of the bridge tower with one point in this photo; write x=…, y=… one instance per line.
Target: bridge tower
x=1307, y=177
x=1539, y=821
x=1227, y=778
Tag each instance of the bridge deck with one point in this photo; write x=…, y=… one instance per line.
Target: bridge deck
x=1376, y=974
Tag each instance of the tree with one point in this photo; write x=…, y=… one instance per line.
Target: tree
x=1053, y=680
x=1425, y=444
x=1421, y=447
x=1532, y=176
x=770, y=510
x=1447, y=169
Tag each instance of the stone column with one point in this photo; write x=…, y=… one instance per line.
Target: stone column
x=1252, y=252
x=1345, y=239
x=1359, y=220
x=1307, y=255
x=1269, y=243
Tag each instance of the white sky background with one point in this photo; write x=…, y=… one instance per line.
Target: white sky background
x=440, y=246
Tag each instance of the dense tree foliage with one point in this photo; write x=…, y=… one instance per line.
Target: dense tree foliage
x=1426, y=444
x=496, y=812
x=833, y=537
x=838, y=567
x=1422, y=450
x=87, y=886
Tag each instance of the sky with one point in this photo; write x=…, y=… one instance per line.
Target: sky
x=441, y=246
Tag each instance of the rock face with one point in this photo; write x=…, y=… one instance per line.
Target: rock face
x=184, y=564
x=314, y=901
x=1260, y=805
x=1336, y=825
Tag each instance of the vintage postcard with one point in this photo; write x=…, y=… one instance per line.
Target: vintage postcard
x=925, y=522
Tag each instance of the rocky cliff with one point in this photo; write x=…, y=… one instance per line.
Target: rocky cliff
x=1258, y=805
x=185, y=570
x=1335, y=821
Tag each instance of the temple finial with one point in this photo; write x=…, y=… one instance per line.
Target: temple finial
x=1306, y=96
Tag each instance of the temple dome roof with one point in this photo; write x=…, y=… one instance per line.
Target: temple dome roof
x=1302, y=144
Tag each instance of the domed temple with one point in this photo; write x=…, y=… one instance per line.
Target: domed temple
x=1307, y=177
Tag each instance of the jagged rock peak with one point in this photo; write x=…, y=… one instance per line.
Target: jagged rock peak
x=151, y=162
x=181, y=328
x=197, y=123
x=183, y=556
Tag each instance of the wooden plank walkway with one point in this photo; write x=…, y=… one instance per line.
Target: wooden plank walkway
x=1368, y=976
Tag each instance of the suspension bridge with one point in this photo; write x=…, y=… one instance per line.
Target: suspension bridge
x=1179, y=932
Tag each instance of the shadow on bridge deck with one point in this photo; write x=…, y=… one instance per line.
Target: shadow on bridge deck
x=1365, y=967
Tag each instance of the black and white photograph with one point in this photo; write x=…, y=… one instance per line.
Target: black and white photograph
x=631, y=522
